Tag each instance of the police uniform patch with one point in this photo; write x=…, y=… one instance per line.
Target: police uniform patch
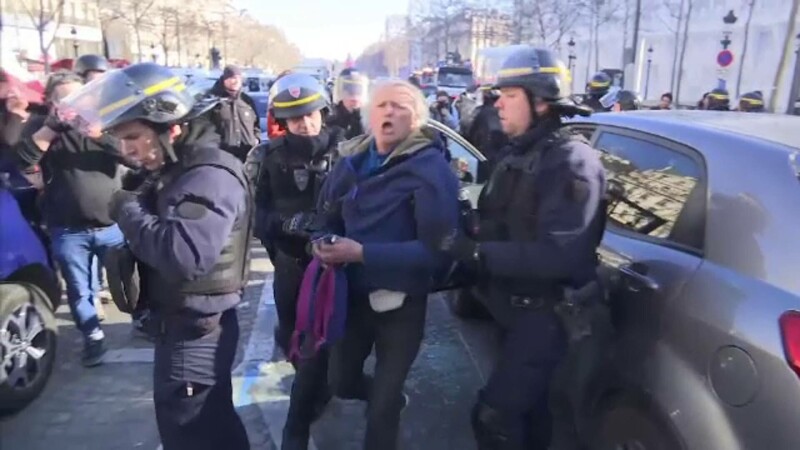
x=301, y=178
x=294, y=91
x=190, y=210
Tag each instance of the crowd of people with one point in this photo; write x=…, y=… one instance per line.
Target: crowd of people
x=358, y=206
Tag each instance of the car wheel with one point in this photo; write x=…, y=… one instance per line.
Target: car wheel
x=42, y=277
x=464, y=304
x=625, y=424
x=27, y=344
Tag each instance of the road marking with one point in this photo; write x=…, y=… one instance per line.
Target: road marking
x=260, y=381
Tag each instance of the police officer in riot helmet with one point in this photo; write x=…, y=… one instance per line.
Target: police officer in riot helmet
x=90, y=67
x=752, y=102
x=597, y=87
x=618, y=100
x=541, y=220
x=188, y=226
x=718, y=100
x=349, y=94
x=291, y=174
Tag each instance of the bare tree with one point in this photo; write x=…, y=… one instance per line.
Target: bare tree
x=751, y=6
x=685, y=41
x=136, y=13
x=674, y=9
x=786, y=56
x=602, y=12
x=108, y=11
x=167, y=24
x=43, y=17
x=444, y=16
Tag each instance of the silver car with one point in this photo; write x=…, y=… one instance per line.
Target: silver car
x=702, y=266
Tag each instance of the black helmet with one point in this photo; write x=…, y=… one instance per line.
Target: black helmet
x=144, y=91
x=752, y=102
x=719, y=100
x=627, y=100
x=296, y=95
x=542, y=75
x=90, y=63
x=599, y=84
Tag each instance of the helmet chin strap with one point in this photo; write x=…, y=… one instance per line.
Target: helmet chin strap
x=170, y=157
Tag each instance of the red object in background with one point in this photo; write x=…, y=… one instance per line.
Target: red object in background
x=274, y=129
x=32, y=91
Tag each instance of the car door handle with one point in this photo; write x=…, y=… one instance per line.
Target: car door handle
x=637, y=273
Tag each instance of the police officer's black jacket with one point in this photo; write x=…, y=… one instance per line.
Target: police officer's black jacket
x=592, y=101
x=541, y=215
x=291, y=176
x=191, y=226
x=348, y=121
x=236, y=120
x=79, y=173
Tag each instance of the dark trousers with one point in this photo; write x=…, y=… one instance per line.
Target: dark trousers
x=192, y=389
x=286, y=286
x=397, y=336
x=533, y=344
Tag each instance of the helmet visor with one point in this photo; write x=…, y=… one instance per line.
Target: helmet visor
x=610, y=98
x=102, y=102
x=351, y=88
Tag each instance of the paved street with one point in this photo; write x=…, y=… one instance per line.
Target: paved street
x=110, y=407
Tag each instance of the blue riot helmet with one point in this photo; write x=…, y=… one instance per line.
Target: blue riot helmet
x=296, y=95
x=752, y=102
x=351, y=87
x=85, y=65
x=542, y=75
x=599, y=85
x=147, y=92
x=718, y=100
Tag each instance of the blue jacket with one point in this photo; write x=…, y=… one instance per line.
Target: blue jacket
x=182, y=236
x=396, y=211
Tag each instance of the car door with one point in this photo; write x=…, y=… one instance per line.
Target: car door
x=654, y=239
x=465, y=160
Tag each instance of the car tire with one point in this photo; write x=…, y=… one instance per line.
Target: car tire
x=25, y=320
x=628, y=424
x=464, y=304
x=40, y=276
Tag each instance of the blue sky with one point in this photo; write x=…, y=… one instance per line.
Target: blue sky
x=327, y=28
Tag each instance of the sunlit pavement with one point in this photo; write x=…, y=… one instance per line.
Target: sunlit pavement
x=110, y=407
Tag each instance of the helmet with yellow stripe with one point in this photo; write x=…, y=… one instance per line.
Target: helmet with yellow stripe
x=599, y=84
x=145, y=91
x=297, y=95
x=542, y=75
x=752, y=102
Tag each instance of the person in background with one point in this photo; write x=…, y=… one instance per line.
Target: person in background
x=752, y=102
x=349, y=93
x=388, y=201
x=597, y=87
x=442, y=110
x=90, y=67
x=618, y=100
x=235, y=117
x=665, y=102
x=718, y=100
x=80, y=174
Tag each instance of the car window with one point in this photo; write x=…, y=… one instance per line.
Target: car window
x=654, y=190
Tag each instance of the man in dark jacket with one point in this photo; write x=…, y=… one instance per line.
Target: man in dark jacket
x=485, y=132
x=80, y=173
x=235, y=117
x=189, y=227
x=349, y=93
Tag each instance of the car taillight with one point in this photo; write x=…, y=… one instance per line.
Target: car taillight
x=790, y=331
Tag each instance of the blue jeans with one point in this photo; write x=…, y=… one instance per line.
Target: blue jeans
x=77, y=252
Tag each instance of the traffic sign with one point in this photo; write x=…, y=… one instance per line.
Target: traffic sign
x=725, y=58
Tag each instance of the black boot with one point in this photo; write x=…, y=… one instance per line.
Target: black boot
x=487, y=425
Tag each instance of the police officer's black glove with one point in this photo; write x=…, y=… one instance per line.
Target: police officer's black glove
x=460, y=247
x=299, y=225
x=56, y=124
x=119, y=199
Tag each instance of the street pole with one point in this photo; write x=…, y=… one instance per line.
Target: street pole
x=794, y=92
x=636, y=30
x=649, y=63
